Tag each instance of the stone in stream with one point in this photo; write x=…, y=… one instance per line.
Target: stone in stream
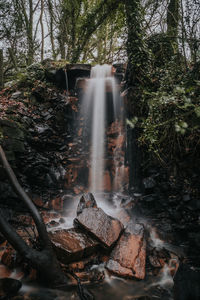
x=8, y=257
x=86, y=201
x=129, y=255
x=16, y=95
x=103, y=227
x=72, y=244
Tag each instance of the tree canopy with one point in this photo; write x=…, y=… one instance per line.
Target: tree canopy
x=92, y=31
x=159, y=41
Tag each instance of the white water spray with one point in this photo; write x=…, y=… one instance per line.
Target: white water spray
x=94, y=110
x=98, y=83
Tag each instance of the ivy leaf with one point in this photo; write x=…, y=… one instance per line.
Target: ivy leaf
x=132, y=122
x=197, y=111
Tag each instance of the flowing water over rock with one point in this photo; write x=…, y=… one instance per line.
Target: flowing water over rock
x=102, y=107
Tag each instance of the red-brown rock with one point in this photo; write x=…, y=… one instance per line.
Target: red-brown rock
x=25, y=220
x=72, y=244
x=103, y=227
x=129, y=256
x=38, y=201
x=9, y=257
x=77, y=265
x=57, y=204
x=3, y=247
x=48, y=216
x=4, y=272
x=114, y=128
x=86, y=201
x=107, y=181
x=78, y=189
x=123, y=217
x=71, y=176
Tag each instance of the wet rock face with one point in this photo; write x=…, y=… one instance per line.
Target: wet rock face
x=103, y=227
x=9, y=287
x=13, y=138
x=129, y=255
x=72, y=244
x=186, y=283
x=74, y=71
x=86, y=201
x=9, y=257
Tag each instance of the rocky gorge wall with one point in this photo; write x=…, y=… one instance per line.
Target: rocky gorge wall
x=39, y=131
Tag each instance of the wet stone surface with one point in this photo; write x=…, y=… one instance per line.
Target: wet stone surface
x=86, y=201
x=186, y=283
x=129, y=255
x=103, y=227
x=9, y=287
x=72, y=244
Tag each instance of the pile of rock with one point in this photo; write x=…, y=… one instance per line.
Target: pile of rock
x=95, y=231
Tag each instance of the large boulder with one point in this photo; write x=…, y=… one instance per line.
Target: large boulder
x=186, y=283
x=100, y=225
x=86, y=201
x=72, y=244
x=9, y=287
x=129, y=255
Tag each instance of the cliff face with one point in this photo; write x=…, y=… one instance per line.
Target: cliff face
x=41, y=135
x=36, y=131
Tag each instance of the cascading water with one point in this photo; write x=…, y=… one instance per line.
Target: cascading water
x=101, y=107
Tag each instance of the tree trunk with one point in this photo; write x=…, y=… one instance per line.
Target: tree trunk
x=172, y=22
x=13, y=59
x=30, y=34
x=137, y=80
x=50, y=8
x=62, y=49
x=42, y=30
x=1, y=68
x=95, y=19
x=138, y=59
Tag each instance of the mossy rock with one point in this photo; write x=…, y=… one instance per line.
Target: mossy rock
x=1, y=135
x=2, y=173
x=10, y=155
x=13, y=132
x=14, y=145
x=12, y=137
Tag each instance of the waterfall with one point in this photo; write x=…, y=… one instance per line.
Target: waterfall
x=101, y=108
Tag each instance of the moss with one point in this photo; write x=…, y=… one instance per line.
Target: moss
x=12, y=137
x=10, y=155
x=1, y=135
x=13, y=132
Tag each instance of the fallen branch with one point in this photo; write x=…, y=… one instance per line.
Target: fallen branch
x=82, y=292
x=44, y=261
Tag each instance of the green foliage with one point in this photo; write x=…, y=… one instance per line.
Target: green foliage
x=1, y=136
x=107, y=45
x=161, y=48
x=172, y=125
x=84, y=26
x=31, y=75
x=137, y=50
